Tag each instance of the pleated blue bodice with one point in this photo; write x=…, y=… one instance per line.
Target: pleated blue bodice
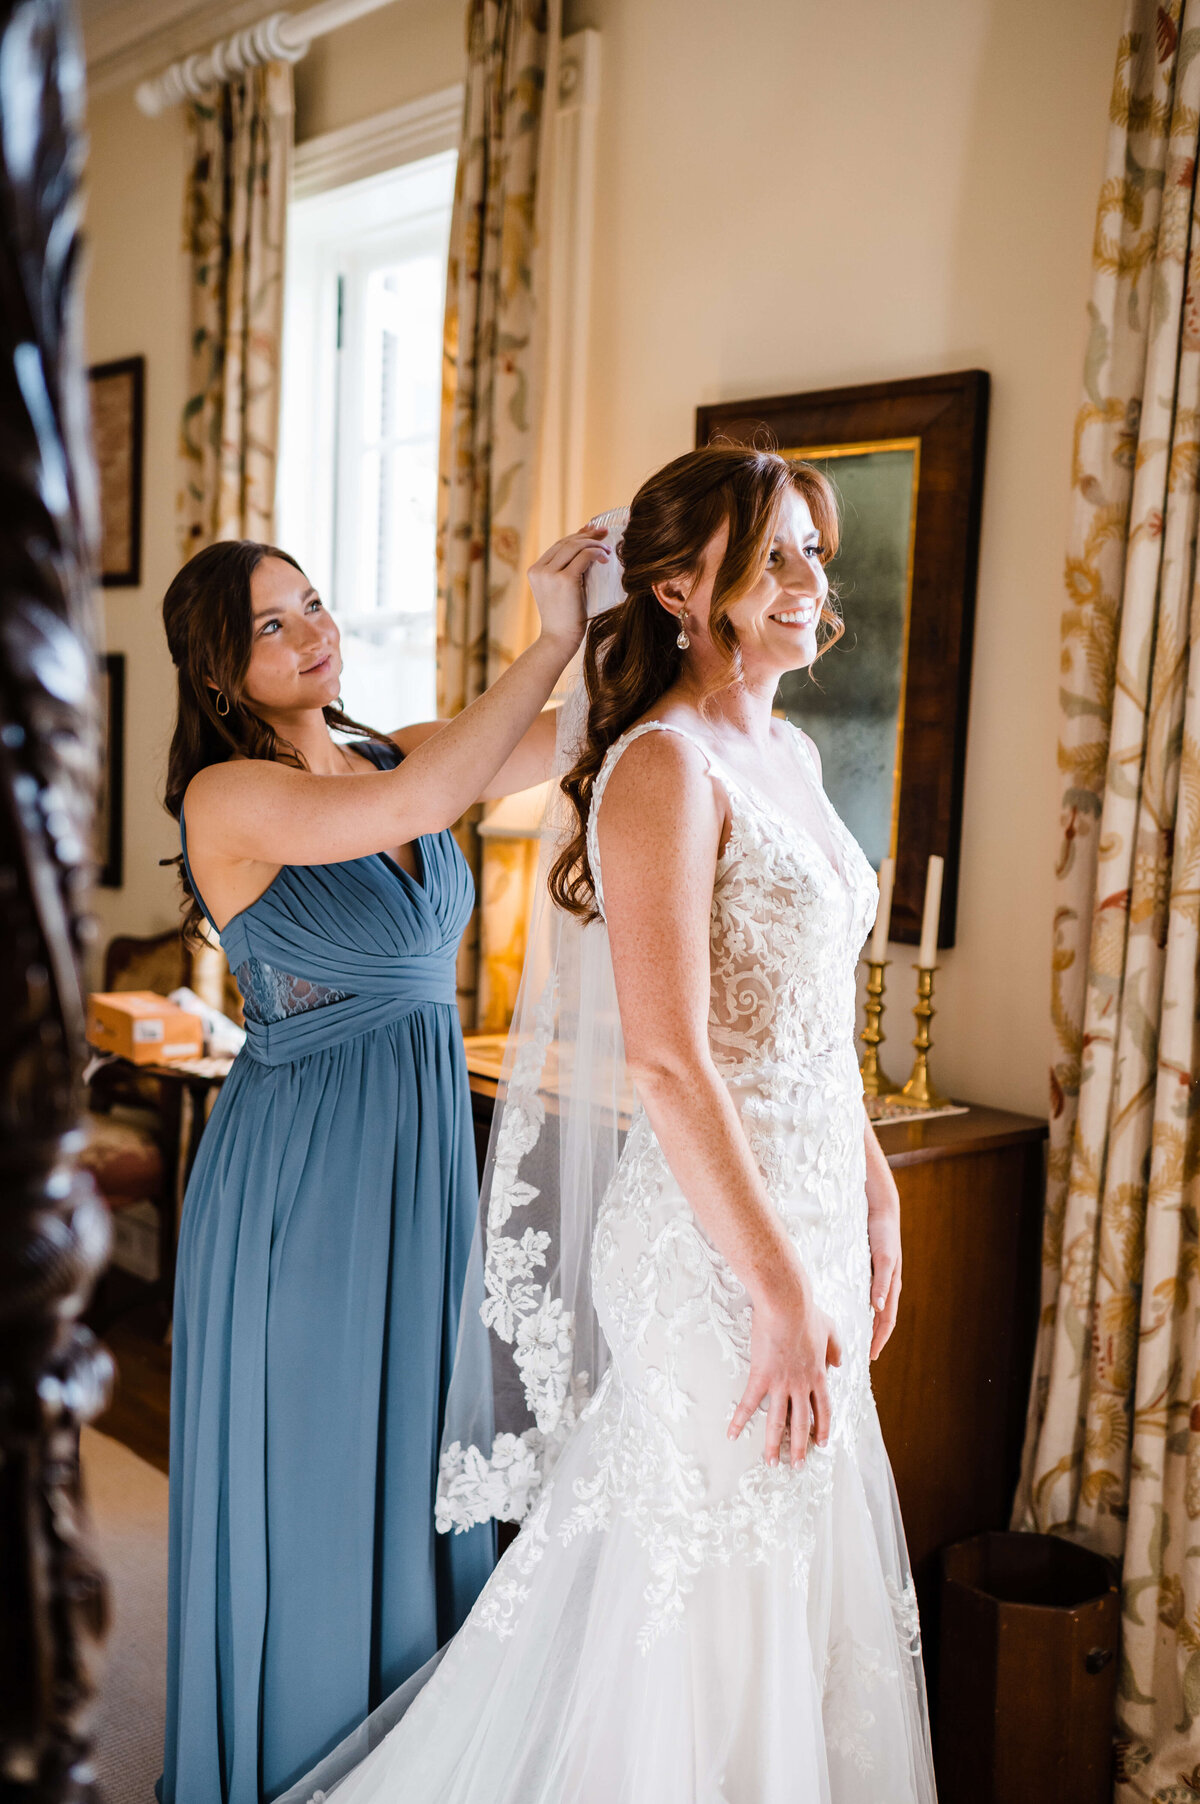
x=323, y=1247
x=330, y=951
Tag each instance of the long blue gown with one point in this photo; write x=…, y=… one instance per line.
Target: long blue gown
x=322, y=1252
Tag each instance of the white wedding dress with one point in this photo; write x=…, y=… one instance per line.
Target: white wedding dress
x=677, y=1622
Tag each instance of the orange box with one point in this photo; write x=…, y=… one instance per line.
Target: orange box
x=142, y=1027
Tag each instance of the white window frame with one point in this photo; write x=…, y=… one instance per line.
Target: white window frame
x=415, y=143
x=425, y=128
x=406, y=134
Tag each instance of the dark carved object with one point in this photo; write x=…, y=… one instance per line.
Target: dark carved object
x=53, y=1229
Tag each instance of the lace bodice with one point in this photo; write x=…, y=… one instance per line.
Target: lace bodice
x=786, y=925
x=793, y=898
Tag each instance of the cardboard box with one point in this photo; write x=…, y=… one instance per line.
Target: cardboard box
x=144, y=1028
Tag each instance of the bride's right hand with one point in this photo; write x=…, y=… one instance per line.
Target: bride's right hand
x=557, y=583
x=792, y=1345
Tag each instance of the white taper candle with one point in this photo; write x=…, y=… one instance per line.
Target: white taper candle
x=927, y=955
x=883, y=919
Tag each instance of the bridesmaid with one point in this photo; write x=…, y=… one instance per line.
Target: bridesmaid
x=328, y=1220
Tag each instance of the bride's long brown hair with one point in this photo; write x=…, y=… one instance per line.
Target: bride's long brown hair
x=208, y=614
x=630, y=658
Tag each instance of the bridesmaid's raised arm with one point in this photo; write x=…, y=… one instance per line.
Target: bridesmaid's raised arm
x=531, y=760
x=264, y=812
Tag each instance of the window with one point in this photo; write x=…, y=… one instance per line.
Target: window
x=362, y=375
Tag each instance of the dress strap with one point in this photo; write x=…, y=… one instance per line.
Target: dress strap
x=383, y=754
x=611, y=760
x=187, y=867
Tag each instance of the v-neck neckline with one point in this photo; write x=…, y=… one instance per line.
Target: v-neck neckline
x=419, y=883
x=755, y=794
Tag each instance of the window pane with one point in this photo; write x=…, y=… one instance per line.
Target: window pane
x=404, y=319
x=388, y=673
x=369, y=364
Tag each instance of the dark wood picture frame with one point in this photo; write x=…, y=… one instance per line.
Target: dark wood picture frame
x=118, y=394
x=110, y=811
x=948, y=415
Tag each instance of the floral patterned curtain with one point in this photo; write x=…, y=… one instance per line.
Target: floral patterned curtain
x=1113, y=1450
x=490, y=403
x=234, y=222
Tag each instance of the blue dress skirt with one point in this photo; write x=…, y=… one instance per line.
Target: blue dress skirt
x=322, y=1253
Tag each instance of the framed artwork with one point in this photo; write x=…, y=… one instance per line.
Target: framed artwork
x=887, y=705
x=110, y=806
x=117, y=401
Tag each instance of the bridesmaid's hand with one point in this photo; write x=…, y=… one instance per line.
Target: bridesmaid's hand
x=557, y=583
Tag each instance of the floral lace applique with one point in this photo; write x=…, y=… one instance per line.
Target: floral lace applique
x=500, y=1605
x=906, y=1615
x=785, y=931
x=852, y=1672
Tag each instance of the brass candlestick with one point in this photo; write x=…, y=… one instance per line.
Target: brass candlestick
x=875, y=1080
x=918, y=1092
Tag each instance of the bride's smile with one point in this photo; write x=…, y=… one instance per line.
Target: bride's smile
x=777, y=621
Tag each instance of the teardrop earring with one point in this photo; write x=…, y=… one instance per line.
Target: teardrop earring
x=221, y=697
x=682, y=640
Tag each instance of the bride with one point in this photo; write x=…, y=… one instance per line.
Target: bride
x=693, y=1244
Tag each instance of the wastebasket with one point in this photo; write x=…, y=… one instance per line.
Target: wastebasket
x=1029, y=1627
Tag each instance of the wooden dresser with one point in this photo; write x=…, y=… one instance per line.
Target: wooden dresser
x=953, y=1381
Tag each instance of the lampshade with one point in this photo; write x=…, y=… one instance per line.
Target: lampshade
x=517, y=816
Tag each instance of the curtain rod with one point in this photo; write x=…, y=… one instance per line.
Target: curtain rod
x=281, y=37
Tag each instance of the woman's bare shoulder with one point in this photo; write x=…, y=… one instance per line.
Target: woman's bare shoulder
x=659, y=773
x=218, y=779
x=235, y=779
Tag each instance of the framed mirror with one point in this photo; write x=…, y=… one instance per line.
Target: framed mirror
x=887, y=705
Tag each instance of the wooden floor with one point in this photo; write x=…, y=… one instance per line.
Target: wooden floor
x=136, y=1336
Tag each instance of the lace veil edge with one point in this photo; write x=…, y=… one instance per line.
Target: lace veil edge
x=517, y=1388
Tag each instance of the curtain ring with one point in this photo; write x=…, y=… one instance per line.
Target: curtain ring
x=221, y=697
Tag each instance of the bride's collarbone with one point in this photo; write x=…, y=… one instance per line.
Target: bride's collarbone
x=773, y=773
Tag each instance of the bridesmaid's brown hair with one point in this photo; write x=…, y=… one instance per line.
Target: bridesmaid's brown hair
x=208, y=614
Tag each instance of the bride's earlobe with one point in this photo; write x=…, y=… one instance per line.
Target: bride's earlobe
x=672, y=597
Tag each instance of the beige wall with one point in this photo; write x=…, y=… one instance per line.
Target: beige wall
x=136, y=301
x=795, y=194
x=400, y=54
x=792, y=194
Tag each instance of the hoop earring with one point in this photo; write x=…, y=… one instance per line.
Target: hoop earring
x=221, y=697
x=682, y=640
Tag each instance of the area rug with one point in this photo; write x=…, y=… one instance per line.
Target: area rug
x=128, y=1502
